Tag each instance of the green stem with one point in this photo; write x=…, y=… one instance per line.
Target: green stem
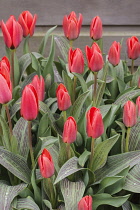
x=71, y=43
x=127, y=140
x=9, y=118
x=95, y=87
x=74, y=88
x=30, y=143
x=50, y=190
x=26, y=48
x=12, y=67
x=68, y=150
x=132, y=70
x=92, y=153
x=64, y=116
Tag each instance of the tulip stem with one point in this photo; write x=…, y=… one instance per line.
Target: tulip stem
x=68, y=150
x=92, y=153
x=12, y=67
x=30, y=143
x=74, y=88
x=9, y=118
x=95, y=87
x=64, y=116
x=52, y=193
x=127, y=140
x=132, y=70
x=71, y=43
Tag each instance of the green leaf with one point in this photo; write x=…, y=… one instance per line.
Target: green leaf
x=27, y=203
x=20, y=131
x=15, y=164
x=101, y=152
x=134, y=139
x=68, y=83
x=5, y=133
x=106, y=199
x=134, y=206
x=136, y=77
x=44, y=40
x=17, y=71
x=48, y=69
x=43, y=126
x=45, y=109
x=123, y=128
x=48, y=204
x=132, y=182
x=26, y=45
x=15, y=108
x=83, y=158
x=78, y=104
x=63, y=46
x=117, y=163
x=72, y=193
x=8, y=193
x=70, y=167
x=101, y=86
x=127, y=96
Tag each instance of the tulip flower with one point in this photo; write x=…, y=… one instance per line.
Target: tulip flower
x=133, y=47
x=76, y=61
x=70, y=130
x=129, y=114
x=114, y=53
x=12, y=32
x=46, y=164
x=72, y=25
x=138, y=105
x=4, y=65
x=5, y=89
x=39, y=85
x=63, y=97
x=94, y=58
x=96, y=28
x=94, y=125
x=27, y=21
x=85, y=203
x=29, y=103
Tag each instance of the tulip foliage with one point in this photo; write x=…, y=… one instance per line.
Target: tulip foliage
x=69, y=123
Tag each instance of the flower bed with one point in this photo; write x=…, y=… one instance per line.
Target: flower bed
x=69, y=128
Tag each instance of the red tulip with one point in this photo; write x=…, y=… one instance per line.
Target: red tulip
x=63, y=97
x=96, y=28
x=27, y=21
x=114, y=53
x=12, y=32
x=29, y=103
x=129, y=114
x=46, y=164
x=94, y=58
x=72, y=25
x=5, y=70
x=133, y=47
x=5, y=89
x=76, y=61
x=138, y=105
x=70, y=130
x=85, y=203
x=39, y=85
x=94, y=126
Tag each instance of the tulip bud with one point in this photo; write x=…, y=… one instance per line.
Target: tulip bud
x=12, y=32
x=114, y=53
x=5, y=89
x=96, y=28
x=27, y=21
x=5, y=70
x=29, y=103
x=46, y=164
x=138, y=105
x=76, y=61
x=85, y=203
x=70, y=130
x=72, y=25
x=133, y=47
x=129, y=114
x=39, y=85
x=94, y=58
x=94, y=126
x=63, y=97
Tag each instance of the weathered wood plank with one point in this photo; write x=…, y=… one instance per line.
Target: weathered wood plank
x=120, y=12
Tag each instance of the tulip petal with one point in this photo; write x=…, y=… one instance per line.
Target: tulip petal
x=24, y=26
x=17, y=34
x=5, y=92
x=6, y=35
x=33, y=25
